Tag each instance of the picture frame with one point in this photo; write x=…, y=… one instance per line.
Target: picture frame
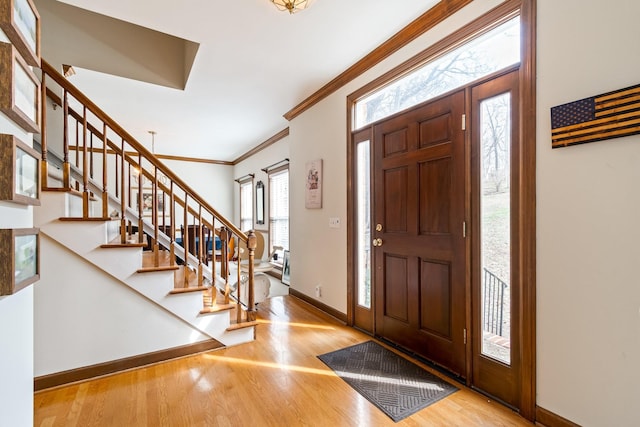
x=313, y=186
x=286, y=268
x=20, y=250
x=147, y=203
x=19, y=90
x=19, y=172
x=20, y=21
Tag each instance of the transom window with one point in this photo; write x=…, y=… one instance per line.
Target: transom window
x=492, y=51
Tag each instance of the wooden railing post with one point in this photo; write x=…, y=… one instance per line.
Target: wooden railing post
x=252, y=243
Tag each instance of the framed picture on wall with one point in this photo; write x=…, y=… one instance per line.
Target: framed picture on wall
x=286, y=269
x=20, y=21
x=313, y=190
x=20, y=252
x=19, y=90
x=19, y=171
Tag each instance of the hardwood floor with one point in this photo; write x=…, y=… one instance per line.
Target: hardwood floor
x=275, y=381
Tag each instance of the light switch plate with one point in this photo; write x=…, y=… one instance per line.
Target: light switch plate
x=334, y=222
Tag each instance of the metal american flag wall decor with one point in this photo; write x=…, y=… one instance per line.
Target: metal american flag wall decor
x=610, y=115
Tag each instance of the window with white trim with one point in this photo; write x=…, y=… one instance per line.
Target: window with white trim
x=279, y=209
x=246, y=205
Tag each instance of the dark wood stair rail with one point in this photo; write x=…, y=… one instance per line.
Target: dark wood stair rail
x=132, y=161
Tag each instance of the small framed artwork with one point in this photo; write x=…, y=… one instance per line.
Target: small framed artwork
x=20, y=250
x=19, y=172
x=147, y=203
x=20, y=21
x=286, y=269
x=313, y=190
x=19, y=90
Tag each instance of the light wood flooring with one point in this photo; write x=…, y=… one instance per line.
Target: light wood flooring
x=276, y=380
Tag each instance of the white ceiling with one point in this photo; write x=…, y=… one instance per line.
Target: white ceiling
x=254, y=64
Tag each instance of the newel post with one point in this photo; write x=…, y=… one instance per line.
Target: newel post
x=252, y=243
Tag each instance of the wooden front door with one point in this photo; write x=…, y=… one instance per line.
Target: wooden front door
x=418, y=231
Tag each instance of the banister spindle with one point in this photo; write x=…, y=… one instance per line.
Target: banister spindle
x=140, y=201
x=224, y=261
x=44, y=165
x=172, y=225
x=252, y=243
x=154, y=217
x=85, y=172
x=105, y=195
x=123, y=219
x=200, y=231
x=66, y=167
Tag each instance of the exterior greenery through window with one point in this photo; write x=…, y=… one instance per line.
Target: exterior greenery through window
x=495, y=50
x=279, y=209
x=246, y=205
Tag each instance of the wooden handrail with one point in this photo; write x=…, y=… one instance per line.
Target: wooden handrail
x=148, y=155
x=92, y=122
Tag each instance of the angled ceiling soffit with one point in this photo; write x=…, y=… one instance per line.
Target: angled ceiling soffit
x=100, y=43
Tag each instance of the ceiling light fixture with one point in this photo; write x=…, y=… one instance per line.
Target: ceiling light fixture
x=292, y=6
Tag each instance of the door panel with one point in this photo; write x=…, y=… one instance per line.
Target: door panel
x=396, y=185
x=397, y=296
x=435, y=196
x=418, y=182
x=435, y=298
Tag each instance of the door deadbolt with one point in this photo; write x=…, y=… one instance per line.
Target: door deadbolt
x=379, y=227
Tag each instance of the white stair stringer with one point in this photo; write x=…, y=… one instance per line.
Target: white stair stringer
x=84, y=239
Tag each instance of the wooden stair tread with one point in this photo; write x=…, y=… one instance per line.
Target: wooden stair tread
x=71, y=191
x=132, y=242
x=217, y=308
x=123, y=245
x=160, y=268
x=80, y=219
x=242, y=325
x=176, y=291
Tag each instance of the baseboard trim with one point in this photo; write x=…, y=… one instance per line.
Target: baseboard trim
x=93, y=371
x=320, y=306
x=547, y=418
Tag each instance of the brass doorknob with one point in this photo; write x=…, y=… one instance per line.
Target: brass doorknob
x=377, y=242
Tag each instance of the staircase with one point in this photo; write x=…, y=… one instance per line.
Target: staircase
x=110, y=202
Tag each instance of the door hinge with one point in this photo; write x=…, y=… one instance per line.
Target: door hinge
x=464, y=122
x=464, y=229
x=465, y=336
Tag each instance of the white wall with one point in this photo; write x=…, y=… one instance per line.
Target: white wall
x=321, y=133
x=16, y=318
x=109, y=320
x=212, y=182
x=588, y=208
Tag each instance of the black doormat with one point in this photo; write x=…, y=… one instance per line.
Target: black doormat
x=394, y=384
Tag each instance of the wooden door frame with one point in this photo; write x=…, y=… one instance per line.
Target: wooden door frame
x=526, y=260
